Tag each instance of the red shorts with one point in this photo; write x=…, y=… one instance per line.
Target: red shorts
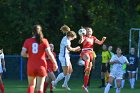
x=36, y=70
x=87, y=52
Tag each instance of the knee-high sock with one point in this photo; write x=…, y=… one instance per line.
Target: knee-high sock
x=45, y=86
x=133, y=82
x=51, y=88
x=130, y=80
x=86, y=78
x=30, y=89
x=107, y=88
x=122, y=83
x=115, y=83
x=117, y=90
x=103, y=81
x=39, y=91
x=67, y=78
x=59, y=77
x=2, y=87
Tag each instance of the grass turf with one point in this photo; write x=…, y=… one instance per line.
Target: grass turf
x=16, y=86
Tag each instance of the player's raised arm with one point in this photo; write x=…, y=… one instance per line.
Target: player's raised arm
x=100, y=42
x=74, y=49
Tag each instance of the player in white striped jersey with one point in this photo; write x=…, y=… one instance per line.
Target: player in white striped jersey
x=64, y=57
x=117, y=61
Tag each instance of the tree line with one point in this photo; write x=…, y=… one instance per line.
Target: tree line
x=110, y=18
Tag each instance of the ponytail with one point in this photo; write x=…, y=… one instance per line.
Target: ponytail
x=37, y=32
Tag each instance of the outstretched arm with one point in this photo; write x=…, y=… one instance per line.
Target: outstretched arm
x=73, y=49
x=100, y=42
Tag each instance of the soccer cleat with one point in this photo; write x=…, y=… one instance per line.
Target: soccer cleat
x=53, y=84
x=51, y=91
x=66, y=87
x=85, y=89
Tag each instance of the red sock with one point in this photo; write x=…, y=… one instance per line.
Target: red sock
x=45, y=86
x=39, y=91
x=86, y=78
x=2, y=87
x=51, y=88
x=30, y=89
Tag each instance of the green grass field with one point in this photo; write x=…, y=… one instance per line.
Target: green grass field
x=16, y=86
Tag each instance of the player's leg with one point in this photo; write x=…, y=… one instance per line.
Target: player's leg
x=40, y=84
x=31, y=84
x=1, y=84
x=60, y=76
x=118, y=89
x=47, y=82
x=88, y=66
x=119, y=78
x=133, y=79
x=67, y=77
x=103, y=71
x=64, y=65
x=123, y=81
x=130, y=78
x=109, y=84
x=52, y=78
x=107, y=73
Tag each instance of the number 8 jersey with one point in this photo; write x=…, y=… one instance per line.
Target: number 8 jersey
x=36, y=51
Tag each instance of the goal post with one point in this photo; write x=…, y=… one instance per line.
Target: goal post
x=130, y=40
x=131, y=37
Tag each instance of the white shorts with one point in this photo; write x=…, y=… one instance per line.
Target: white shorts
x=65, y=61
x=116, y=74
x=1, y=70
x=131, y=72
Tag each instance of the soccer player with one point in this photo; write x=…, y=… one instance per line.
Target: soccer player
x=105, y=67
x=87, y=42
x=110, y=50
x=117, y=61
x=50, y=71
x=35, y=48
x=64, y=57
x=2, y=68
x=131, y=69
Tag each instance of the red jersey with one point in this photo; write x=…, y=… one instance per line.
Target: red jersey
x=50, y=63
x=89, y=42
x=37, y=54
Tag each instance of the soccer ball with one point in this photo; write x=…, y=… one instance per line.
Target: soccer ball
x=81, y=62
x=82, y=31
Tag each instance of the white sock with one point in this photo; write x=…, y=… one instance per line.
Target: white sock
x=130, y=80
x=133, y=82
x=123, y=82
x=115, y=84
x=59, y=77
x=67, y=77
x=107, y=88
x=117, y=90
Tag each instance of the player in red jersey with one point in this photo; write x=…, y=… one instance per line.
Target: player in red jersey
x=87, y=53
x=50, y=70
x=35, y=48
